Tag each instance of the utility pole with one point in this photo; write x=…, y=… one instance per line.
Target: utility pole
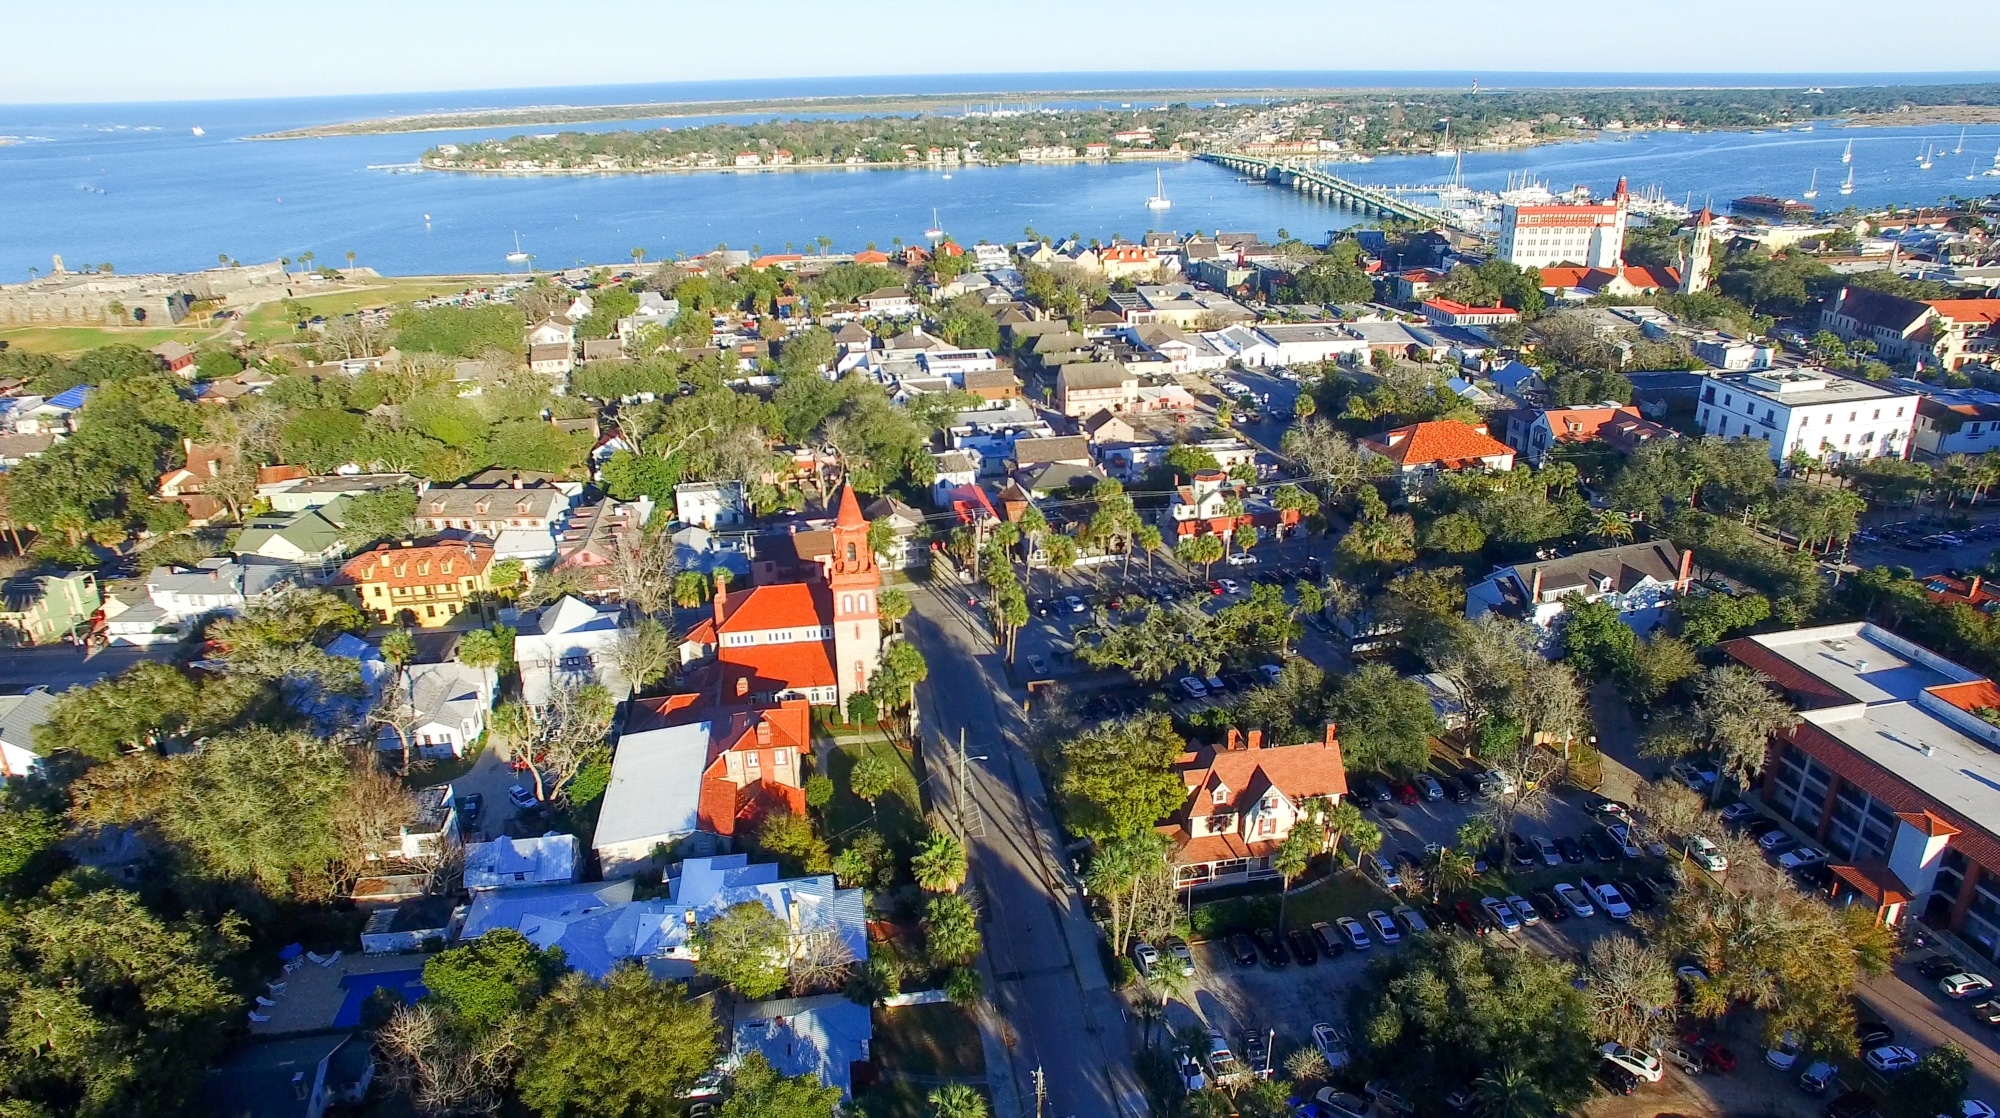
x=970, y=823
x=1041, y=1091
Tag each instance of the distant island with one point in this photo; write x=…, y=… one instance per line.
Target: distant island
x=936, y=131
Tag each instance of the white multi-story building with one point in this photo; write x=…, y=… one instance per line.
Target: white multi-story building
x=1811, y=411
x=1590, y=235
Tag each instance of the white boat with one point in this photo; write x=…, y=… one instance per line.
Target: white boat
x=936, y=231
x=1812, y=190
x=1960, y=149
x=1847, y=156
x=514, y=257
x=197, y=130
x=1159, y=199
x=1445, y=149
x=1924, y=161
x=1848, y=186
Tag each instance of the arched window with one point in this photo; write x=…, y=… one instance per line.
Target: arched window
x=850, y=552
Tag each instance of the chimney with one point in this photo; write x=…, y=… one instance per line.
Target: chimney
x=721, y=592
x=1535, y=589
x=517, y=481
x=1687, y=571
x=1972, y=588
x=1332, y=736
x=1256, y=740
x=763, y=732
x=742, y=686
x=1235, y=741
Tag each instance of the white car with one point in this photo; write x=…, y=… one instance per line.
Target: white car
x=1147, y=957
x=1785, y=1053
x=1639, y=1062
x=1385, y=928
x=1546, y=847
x=1964, y=984
x=1502, y=913
x=1340, y=1104
x=1524, y=910
x=1229, y=585
x=1614, y=905
x=1073, y=603
x=1332, y=1043
x=1195, y=688
x=1622, y=835
x=1221, y=1061
x=1800, y=858
x=1573, y=899
x=1192, y=1080
x=1891, y=1058
x=1502, y=784
x=1242, y=559
x=1705, y=854
x=1357, y=936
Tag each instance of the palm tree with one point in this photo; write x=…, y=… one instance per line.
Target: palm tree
x=1612, y=526
x=1451, y=871
x=1293, y=855
x=872, y=776
x=939, y=865
x=1509, y=1092
x=956, y=1100
x=638, y=255
x=350, y=260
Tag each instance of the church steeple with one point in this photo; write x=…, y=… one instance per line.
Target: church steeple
x=852, y=580
x=1694, y=275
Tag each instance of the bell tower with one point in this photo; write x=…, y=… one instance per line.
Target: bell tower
x=852, y=578
x=1694, y=277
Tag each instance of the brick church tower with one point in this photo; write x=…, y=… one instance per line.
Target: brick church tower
x=853, y=579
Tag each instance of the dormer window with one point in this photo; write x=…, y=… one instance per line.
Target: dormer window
x=1220, y=795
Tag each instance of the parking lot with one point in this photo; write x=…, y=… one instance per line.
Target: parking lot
x=1927, y=546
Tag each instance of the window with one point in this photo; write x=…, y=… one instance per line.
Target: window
x=750, y=761
x=1220, y=795
x=782, y=758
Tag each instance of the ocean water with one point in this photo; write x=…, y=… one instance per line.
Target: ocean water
x=133, y=186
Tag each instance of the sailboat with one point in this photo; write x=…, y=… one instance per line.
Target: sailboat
x=1159, y=200
x=1924, y=163
x=197, y=130
x=514, y=257
x=1445, y=149
x=1960, y=149
x=1993, y=172
x=1847, y=156
x=936, y=231
x=1812, y=189
x=1848, y=186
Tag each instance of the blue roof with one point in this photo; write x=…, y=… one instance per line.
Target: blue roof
x=71, y=398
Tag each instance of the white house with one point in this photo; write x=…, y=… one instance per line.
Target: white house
x=1245, y=345
x=1810, y=411
x=19, y=715
x=511, y=863
x=1309, y=343
x=1954, y=420
x=569, y=646
x=888, y=301
x=218, y=585
x=447, y=706
x=1640, y=579
x=710, y=504
x=654, y=796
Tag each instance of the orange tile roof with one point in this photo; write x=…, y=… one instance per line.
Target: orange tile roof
x=1439, y=441
x=724, y=808
x=1892, y=791
x=1807, y=689
x=784, y=605
x=791, y=728
x=416, y=566
x=1300, y=772
x=1969, y=696
x=1872, y=880
x=770, y=668
x=1927, y=823
x=1968, y=310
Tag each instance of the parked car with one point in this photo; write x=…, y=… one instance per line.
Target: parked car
x=1407, y=794
x=1385, y=927
x=1574, y=899
x=1714, y=1051
x=1853, y=1104
x=1384, y=873
x=470, y=808
x=1607, y=896
x=1221, y=1061
x=1302, y=947
x=1616, y=1079
x=1872, y=1034
x=1192, y=1078
x=1411, y=918
x=1432, y=790
x=1073, y=603
x=1386, y=1100
x=1523, y=911
x=1738, y=812
x=1639, y=1062
x=1037, y=665
x=1987, y=1012
x=1147, y=958
x=1774, y=841
x=1545, y=847
x=1891, y=1058
x=1570, y=849
x=1329, y=940
x=1705, y=854
x=1243, y=949
x=1800, y=858
x=1602, y=847
x=1683, y=1057
x=1468, y=918
x=1817, y=1078
x=1548, y=906
x=1332, y=1044
x=1339, y=1104
x=1938, y=966
x=1271, y=948
x=1638, y=893
x=1194, y=688
x=1502, y=913
x=1357, y=936
x=520, y=797
x=1179, y=958
x=1785, y=1053
x=1256, y=1057
x=1230, y=586
x=1242, y=559
x=1621, y=835
x=1964, y=984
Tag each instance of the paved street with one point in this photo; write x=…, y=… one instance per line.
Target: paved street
x=1044, y=973
x=60, y=667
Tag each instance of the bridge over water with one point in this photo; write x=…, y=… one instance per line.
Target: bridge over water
x=1314, y=182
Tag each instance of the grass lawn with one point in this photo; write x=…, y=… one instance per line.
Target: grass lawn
x=68, y=341
x=941, y=1040
x=268, y=321
x=898, y=814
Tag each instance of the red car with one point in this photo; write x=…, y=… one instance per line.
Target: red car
x=1468, y=919
x=1407, y=793
x=1215, y=588
x=1719, y=1057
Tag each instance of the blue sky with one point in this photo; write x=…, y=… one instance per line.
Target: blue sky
x=129, y=50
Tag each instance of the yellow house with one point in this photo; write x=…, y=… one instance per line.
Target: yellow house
x=431, y=584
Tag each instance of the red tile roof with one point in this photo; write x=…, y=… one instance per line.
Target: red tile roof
x=1874, y=881
x=1893, y=791
x=1968, y=310
x=1450, y=307
x=771, y=668
x=784, y=605
x=1445, y=442
x=724, y=808
x=1299, y=772
x=434, y=565
x=1969, y=696
x=1927, y=823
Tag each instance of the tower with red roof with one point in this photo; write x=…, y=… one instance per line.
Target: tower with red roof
x=853, y=579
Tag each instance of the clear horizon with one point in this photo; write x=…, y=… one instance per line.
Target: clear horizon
x=241, y=49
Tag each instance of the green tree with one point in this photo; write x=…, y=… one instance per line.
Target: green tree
x=795, y=843
x=487, y=648
x=1117, y=778
x=1202, y=550
x=893, y=605
x=1707, y=618
x=862, y=709
x=1938, y=1083
x=27, y=833
x=940, y=865
x=1294, y=853
x=758, y=1090
x=951, y=931
x=744, y=948
x=1595, y=638
x=1386, y=721
x=490, y=979
x=956, y=1100
x=631, y=1046
x=867, y=863
x=873, y=776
